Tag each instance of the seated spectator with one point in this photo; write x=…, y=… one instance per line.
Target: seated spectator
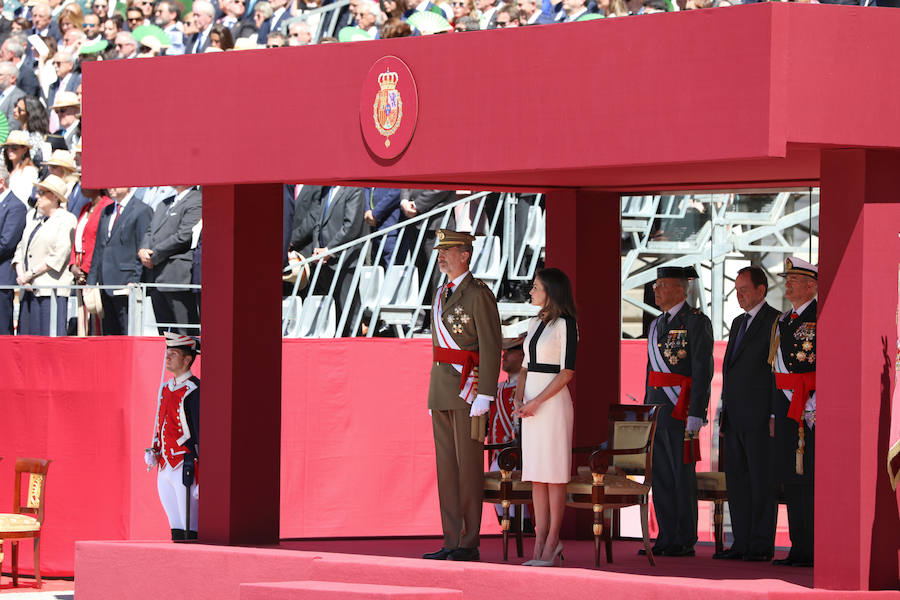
x=530, y=13
x=572, y=10
x=220, y=37
x=20, y=24
x=299, y=33
x=262, y=12
x=68, y=110
x=42, y=259
x=204, y=14
x=126, y=46
x=167, y=13
x=467, y=23
x=395, y=28
x=149, y=47
x=393, y=9
x=134, y=18
x=91, y=28
x=101, y=9
x=73, y=40
x=12, y=224
x=655, y=6
x=13, y=51
x=507, y=16
x=22, y=172
x=277, y=22
x=276, y=40
x=461, y=8
x=70, y=17
x=30, y=112
x=67, y=78
x=111, y=29
x=486, y=10
x=83, y=250
x=146, y=7
x=368, y=16
x=234, y=19
x=44, y=25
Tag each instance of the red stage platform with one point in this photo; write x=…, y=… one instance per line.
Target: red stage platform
x=200, y=572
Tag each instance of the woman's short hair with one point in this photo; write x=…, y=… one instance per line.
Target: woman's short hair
x=560, y=301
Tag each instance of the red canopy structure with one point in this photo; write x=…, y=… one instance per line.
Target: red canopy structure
x=753, y=96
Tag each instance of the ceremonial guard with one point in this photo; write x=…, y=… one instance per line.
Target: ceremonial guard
x=503, y=426
x=746, y=404
x=679, y=372
x=467, y=343
x=176, y=435
x=793, y=357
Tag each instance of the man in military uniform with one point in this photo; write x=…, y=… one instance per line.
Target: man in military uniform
x=679, y=372
x=746, y=405
x=465, y=331
x=176, y=437
x=793, y=357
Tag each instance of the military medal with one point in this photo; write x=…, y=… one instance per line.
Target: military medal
x=676, y=342
x=457, y=319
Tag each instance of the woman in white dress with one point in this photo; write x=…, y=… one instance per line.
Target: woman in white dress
x=545, y=406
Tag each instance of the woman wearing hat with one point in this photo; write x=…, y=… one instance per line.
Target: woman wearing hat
x=42, y=259
x=22, y=172
x=545, y=407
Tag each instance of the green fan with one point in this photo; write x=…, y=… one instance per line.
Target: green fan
x=428, y=22
x=4, y=128
x=353, y=34
x=143, y=31
x=589, y=17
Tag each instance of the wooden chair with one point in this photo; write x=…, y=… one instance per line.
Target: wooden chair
x=605, y=485
x=505, y=487
x=25, y=521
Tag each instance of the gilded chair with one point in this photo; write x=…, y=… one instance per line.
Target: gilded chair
x=505, y=487
x=26, y=519
x=711, y=488
x=607, y=483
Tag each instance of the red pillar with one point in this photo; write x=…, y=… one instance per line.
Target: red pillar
x=857, y=524
x=584, y=240
x=241, y=385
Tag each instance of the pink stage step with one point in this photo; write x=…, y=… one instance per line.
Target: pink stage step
x=336, y=590
x=152, y=570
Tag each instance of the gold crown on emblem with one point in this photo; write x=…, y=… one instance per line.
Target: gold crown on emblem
x=388, y=80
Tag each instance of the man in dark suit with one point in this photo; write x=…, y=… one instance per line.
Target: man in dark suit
x=679, y=372
x=13, y=50
x=10, y=93
x=167, y=256
x=67, y=78
x=204, y=18
x=122, y=227
x=5, y=25
x=340, y=221
x=307, y=212
x=746, y=401
x=12, y=224
x=418, y=202
x=793, y=357
x=277, y=22
x=383, y=211
x=44, y=23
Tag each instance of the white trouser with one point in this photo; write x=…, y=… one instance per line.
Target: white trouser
x=172, y=494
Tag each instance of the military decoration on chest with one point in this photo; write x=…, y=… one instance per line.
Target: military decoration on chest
x=804, y=337
x=457, y=319
x=675, y=347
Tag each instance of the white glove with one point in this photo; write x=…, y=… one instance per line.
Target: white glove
x=429, y=412
x=694, y=424
x=150, y=458
x=196, y=492
x=480, y=406
x=809, y=412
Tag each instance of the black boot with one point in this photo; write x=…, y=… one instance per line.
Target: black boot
x=190, y=535
x=177, y=534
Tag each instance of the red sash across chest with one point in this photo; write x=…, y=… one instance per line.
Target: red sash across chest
x=172, y=430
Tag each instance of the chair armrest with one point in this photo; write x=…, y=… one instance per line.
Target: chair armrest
x=600, y=458
x=587, y=449
x=510, y=458
x=512, y=444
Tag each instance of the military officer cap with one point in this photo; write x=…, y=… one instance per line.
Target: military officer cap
x=514, y=343
x=676, y=272
x=447, y=238
x=177, y=340
x=800, y=267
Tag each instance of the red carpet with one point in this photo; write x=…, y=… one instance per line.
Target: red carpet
x=132, y=570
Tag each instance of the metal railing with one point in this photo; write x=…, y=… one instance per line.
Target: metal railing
x=141, y=318
x=394, y=291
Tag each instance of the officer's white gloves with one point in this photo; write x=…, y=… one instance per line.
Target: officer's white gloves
x=480, y=406
x=809, y=413
x=196, y=492
x=150, y=458
x=694, y=424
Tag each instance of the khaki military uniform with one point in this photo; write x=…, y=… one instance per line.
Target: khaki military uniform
x=469, y=317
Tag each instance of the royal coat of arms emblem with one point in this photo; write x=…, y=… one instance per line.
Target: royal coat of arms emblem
x=388, y=108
